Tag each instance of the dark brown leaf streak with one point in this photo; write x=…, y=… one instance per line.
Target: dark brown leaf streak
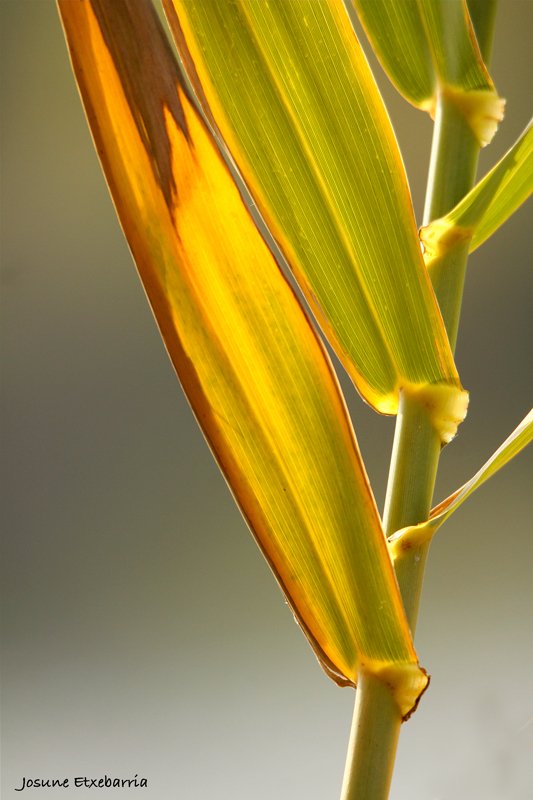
x=149, y=73
x=190, y=66
x=123, y=32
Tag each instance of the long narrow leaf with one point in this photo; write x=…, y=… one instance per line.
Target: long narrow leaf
x=288, y=88
x=405, y=539
x=429, y=46
x=488, y=205
x=255, y=373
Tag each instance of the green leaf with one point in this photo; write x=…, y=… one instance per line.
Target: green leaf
x=288, y=89
x=399, y=39
x=407, y=538
x=429, y=47
x=256, y=375
x=488, y=205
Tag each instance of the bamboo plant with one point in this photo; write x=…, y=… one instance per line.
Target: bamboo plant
x=279, y=97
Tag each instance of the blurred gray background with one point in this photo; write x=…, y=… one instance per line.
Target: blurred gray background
x=142, y=632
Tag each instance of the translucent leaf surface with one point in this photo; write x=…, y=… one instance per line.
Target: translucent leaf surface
x=429, y=46
x=405, y=539
x=489, y=203
x=288, y=88
x=255, y=373
x=399, y=39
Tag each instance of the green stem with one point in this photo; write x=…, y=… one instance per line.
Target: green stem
x=416, y=451
x=416, y=447
x=453, y=163
x=376, y=722
x=413, y=469
x=452, y=173
x=373, y=741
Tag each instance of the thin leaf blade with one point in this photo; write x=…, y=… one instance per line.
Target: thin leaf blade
x=514, y=186
x=490, y=203
x=253, y=369
x=317, y=151
x=403, y=540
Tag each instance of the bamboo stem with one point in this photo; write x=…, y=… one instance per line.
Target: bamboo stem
x=373, y=741
x=416, y=449
x=413, y=470
x=452, y=173
x=415, y=453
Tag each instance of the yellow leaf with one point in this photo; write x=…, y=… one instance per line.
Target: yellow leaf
x=254, y=370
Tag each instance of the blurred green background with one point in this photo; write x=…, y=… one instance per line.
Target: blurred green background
x=142, y=632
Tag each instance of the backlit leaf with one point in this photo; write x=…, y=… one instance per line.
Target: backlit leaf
x=399, y=39
x=403, y=540
x=429, y=47
x=290, y=92
x=255, y=373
